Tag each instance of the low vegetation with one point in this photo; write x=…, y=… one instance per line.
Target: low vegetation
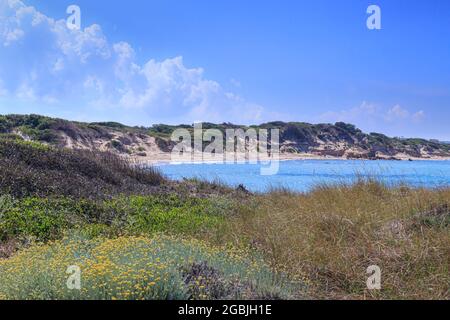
x=43, y=219
x=334, y=233
x=136, y=235
x=138, y=268
x=31, y=168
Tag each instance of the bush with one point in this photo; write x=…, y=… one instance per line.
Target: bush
x=168, y=213
x=30, y=217
x=10, y=136
x=46, y=219
x=34, y=169
x=5, y=125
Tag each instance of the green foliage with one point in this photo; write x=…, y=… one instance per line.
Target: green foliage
x=169, y=213
x=350, y=128
x=43, y=218
x=44, y=135
x=379, y=138
x=30, y=217
x=10, y=136
x=35, y=126
x=31, y=121
x=436, y=216
x=109, y=124
x=46, y=219
x=4, y=124
x=116, y=144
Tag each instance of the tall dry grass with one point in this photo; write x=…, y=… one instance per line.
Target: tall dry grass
x=332, y=234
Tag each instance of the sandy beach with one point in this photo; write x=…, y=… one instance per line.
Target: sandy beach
x=166, y=158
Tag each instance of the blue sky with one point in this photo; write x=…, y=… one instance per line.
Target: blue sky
x=177, y=61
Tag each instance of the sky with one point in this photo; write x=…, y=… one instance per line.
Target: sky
x=142, y=62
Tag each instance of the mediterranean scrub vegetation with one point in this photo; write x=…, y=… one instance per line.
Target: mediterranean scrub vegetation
x=136, y=235
x=341, y=139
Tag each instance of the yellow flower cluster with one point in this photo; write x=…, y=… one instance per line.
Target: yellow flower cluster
x=133, y=268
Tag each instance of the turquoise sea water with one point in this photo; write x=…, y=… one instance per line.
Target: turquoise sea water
x=304, y=174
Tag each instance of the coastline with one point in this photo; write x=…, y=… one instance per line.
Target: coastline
x=166, y=158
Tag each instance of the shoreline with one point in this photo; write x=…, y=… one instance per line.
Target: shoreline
x=166, y=159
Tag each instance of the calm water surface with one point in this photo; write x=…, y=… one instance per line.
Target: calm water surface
x=304, y=174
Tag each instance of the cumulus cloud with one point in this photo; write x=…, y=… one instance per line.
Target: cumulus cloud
x=368, y=113
x=351, y=115
x=11, y=36
x=397, y=113
x=42, y=60
x=418, y=116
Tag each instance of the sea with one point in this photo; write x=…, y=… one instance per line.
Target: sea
x=304, y=175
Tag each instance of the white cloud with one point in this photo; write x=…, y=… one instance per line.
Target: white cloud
x=59, y=65
x=82, y=66
x=11, y=36
x=351, y=115
x=418, y=116
x=368, y=113
x=26, y=92
x=397, y=113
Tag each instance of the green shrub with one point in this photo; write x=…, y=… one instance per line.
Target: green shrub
x=42, y=219
x=169, y=213
x=10, y=136
x=48, y=219
x=5, y=125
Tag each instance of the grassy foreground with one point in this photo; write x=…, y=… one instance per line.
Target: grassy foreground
x=333, y=234
x=135, y=235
